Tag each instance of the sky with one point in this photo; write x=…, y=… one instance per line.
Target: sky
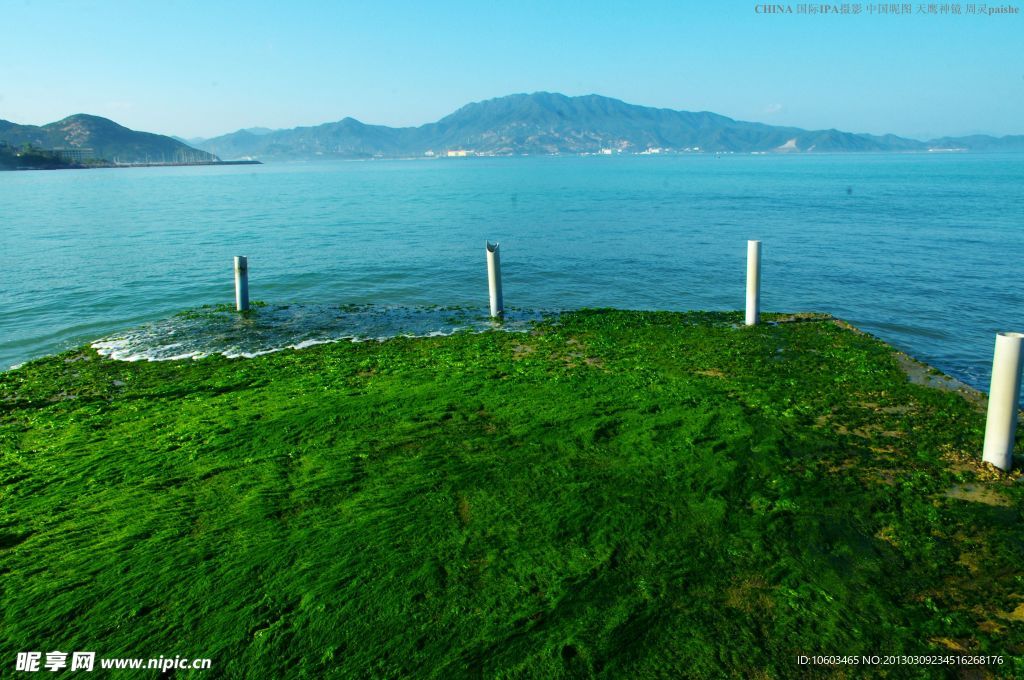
x=201, y=69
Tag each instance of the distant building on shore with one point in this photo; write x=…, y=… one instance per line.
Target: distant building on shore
x=73, y=155
x=458, y=153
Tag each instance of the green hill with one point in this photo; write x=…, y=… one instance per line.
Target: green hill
x=107, y=140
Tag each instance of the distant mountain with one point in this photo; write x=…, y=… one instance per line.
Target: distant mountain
x=348, y=138
x=980, y=143
x=194, y=142
x=108, y=140
x=197, y=141
x=548, y=123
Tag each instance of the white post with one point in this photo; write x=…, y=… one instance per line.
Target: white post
x=1002, y=401
x=753, y=282
x=241, y=283
x=494, y=279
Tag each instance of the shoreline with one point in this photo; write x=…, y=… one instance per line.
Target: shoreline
x=133, y=165
x=457, y=319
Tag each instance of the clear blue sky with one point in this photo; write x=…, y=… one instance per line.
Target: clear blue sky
x=206, y=68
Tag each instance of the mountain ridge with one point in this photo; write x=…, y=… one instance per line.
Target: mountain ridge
x=517, y=124
x=107, y=140
x=553, y=123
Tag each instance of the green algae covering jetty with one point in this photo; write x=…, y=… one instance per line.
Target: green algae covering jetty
x=614, y=495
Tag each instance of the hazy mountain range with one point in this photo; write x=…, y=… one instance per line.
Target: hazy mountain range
x=547, y=123
x=539, y=123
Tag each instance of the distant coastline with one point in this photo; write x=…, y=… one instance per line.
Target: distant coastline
x=546, y=123
x=538, y=124
x=58, y=165
x=161, y=165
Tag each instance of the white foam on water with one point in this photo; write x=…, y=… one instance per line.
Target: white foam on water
x=208, y=331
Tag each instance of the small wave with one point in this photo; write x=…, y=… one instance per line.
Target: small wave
x=207, y=331
x=917, y=331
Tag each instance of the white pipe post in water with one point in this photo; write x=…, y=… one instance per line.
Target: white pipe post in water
x=241, y=283
x=494, y=279
x=1002, y=401
x=753, y=282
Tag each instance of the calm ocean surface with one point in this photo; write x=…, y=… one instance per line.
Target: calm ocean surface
x=924, y=251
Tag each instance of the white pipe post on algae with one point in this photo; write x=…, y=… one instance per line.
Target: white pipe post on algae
x=753, y=282
x=1003, y=396
x=494, y=279
x=241, y=283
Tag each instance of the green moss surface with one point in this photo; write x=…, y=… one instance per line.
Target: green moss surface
x=618, y=494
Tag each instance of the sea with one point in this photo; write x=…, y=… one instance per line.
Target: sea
x=925, y=251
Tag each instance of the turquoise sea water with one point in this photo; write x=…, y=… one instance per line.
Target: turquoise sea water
x=924, y=251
